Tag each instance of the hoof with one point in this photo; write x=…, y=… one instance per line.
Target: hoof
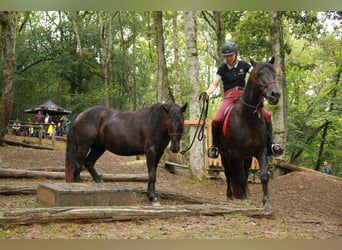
x=267, y=206
x=154, y=202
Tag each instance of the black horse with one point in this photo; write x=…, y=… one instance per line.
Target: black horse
x=246, y=134
x=147, y=131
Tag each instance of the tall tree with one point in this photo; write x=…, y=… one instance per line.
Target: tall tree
x=176, y=59
x=197, y=161
x=163, y=90
x=280, y=111
x=106, y=38
x=214, y=21
x=125, y=64
x=8, y=22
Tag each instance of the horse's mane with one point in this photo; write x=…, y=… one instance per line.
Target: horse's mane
x=151, y=114
x=156, y=113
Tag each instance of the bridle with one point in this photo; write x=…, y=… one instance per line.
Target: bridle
x=263, y=86
x=175, y=133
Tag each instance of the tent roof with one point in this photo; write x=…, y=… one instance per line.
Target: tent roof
x=48, y=107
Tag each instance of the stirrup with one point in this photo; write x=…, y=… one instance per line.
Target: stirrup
x=213, y=152
x=276, y=149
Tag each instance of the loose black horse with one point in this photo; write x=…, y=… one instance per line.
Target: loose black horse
x=246, y=134
x=147, y=131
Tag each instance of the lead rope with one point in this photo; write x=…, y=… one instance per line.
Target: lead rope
x=200, y=128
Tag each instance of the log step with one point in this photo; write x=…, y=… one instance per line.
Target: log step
x=82, y=194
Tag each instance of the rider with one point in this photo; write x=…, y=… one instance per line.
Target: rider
x=232, y=73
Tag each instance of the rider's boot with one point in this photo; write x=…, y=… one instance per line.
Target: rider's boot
x=273, y=148
x=213, y=151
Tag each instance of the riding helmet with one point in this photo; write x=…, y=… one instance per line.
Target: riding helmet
x=229, y=48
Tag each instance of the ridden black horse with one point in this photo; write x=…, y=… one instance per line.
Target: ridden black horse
x=147, y=131
x=246, y=133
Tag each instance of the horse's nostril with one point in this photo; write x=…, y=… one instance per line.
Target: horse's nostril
x=275, y=94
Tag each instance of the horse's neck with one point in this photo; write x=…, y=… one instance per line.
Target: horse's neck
x=251, y=95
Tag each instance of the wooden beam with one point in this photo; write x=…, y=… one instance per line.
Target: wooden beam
x=174, y=164
x=17, y=173
x=122, y=213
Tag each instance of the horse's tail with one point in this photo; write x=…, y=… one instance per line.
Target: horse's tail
x=71, y=152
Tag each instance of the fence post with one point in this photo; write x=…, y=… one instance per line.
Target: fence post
x=40, y=134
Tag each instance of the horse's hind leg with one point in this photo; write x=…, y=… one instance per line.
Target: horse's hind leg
x=79, y=158
x=77, y=171
x=89, y=162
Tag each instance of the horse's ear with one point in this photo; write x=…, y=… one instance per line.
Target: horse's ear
x=183, y=108
x=252, y=62
x=166, y=107
x=272, y=60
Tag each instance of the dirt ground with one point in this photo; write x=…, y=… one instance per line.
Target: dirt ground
x=305, y=205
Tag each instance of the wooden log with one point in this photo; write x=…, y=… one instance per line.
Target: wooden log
x=26, y=145
x=282, y=164
x=119, y=164
x=122, y=213
x=23, y=190
x=17, y=173
x=174, y=164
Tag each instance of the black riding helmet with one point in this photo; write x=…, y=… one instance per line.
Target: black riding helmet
x=229, y=48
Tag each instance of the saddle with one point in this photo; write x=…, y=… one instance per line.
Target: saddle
x=224, y=121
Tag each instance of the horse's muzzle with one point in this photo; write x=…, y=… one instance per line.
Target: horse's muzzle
x=175, y=147
x=272, y=95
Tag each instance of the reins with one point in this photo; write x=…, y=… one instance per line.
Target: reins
x=200, y=127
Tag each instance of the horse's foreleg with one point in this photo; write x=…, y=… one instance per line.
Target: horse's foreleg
x=152, y=161
x=264, y=176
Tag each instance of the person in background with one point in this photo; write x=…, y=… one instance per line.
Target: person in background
x=59, y=129
x=39, y=118
x=51, y=128
x=326, y=168
x=16, y=127
x=65, y=123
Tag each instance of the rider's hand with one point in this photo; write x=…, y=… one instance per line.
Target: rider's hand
x=205, y=95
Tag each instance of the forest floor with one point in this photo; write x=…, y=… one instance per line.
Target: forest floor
x=305, y=205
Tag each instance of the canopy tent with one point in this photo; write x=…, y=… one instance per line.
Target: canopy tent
x=49, y=107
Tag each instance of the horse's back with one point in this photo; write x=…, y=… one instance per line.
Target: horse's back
x=87, y=123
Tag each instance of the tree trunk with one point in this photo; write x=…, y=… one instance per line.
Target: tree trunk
x=106, y=51
x=125, y=64
x=197, y=160
x=280, y=111
x=163, y=90
x=327, y=123
x=176, y=71
x=8, y=22
x=123, y=213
